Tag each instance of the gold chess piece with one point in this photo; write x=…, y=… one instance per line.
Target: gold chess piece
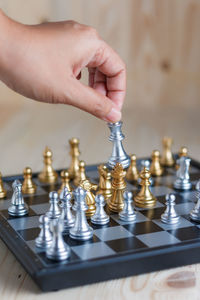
x=182, y=152
x=167, y=159
x=132, y=172
x=48, y=175
x=3, y=191
x=156, y=169
x=105, y=187
x=65, y=181
x=145, y=198
x=81, y=173
x=116, y=202
x=75, y=153
x=28, y=186
x=90, y=197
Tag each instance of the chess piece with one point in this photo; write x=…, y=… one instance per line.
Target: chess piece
x=167, y=159
x=105, y=187
x=75, y=153
x=48, y=175
x=81, y=230
x=195, y=213
x=182, y=152
x=118, y=153
x=90, y=197
x=81, y=174
x=145, y=198
x=128, y=214
x=116, y=202
x=3, y=191
x=66, y=214
x=18, y=207
x=28, y=186
x=65, y=181
x=170, y=216
x=54, y=211
x=145, y=163
x=58, y=249
x=44, y=238
x=132, y=173
x=100, y=217
x=156, y=168
x=182, y=181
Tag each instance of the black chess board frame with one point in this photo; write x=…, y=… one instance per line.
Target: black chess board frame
x=138, y=256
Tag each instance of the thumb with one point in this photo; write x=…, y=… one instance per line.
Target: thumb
x=91, y=101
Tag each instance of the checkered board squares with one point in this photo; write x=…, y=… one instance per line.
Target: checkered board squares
x=110, y=242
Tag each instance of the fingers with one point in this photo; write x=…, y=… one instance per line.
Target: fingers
x=92, y=101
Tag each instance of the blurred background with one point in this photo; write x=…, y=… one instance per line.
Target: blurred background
x=160, y=42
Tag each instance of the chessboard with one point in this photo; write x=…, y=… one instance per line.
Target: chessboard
x=116, y=250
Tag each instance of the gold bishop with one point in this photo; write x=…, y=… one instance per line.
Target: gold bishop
x=132, y=172
x=3, y=191
x=28, y=186
x=48, y=175
x=75, y=153
x=167, y=159
x=156, y=168
x=105, y=187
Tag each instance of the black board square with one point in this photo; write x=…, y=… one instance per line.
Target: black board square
x=153, y=213
x=126, y=244
x=36, y=199
x=186, y=234
x=29, y=234
x=50, y=188
x=143, y=227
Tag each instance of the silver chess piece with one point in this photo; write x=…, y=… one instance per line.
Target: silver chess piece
x=18, y=207
x=81, y=230
x=44, y=238
x=58, y=249
x=66, y=214
x=195, y=213
x=100, y=217
x=118, y=152
x=145, y=163
x=182, y=181
x=54, y=211
x=170, y=216
x=127, y=214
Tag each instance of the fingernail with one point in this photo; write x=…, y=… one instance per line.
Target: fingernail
x=113, y=116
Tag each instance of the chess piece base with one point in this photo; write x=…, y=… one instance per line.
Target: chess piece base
x=58, y=254
x=100, y=221
x=171, y=220
x=18, y=210
x=3, y=194
x=40, y=243
x=44, y=178
x=82, y=235
x=182, y=185
x=127, y=217
x=195, y=216
x=116, y=203
x=144, y=203
x=90, y=211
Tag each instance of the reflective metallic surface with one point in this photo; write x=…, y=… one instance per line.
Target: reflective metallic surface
x=44, y=239
x=195, y=213
x=128, y=214
x=18, y=208
x=54, y=211
x=100, y=217
x=66, y=214
x=182, y=181
x=170, y=216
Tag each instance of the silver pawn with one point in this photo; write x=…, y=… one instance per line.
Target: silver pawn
x=100, y=217
x=44, y=238
x=118, y=152
x=54, y=211
x=195, y=213
x=170, y=216
x=182, y=181
x=58, y=249
x=127, y=214
x=18, y=207
x=66, y=214
x=81, y=230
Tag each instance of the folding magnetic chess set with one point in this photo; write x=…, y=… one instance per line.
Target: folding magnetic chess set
x=117, y=249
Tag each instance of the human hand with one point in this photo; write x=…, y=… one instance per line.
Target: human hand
x=44, y=62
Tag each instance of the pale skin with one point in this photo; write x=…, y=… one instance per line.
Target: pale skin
x=44, y=62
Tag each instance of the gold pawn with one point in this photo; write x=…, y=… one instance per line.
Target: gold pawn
x=182, y=152
x=48, y=175
x=65, y=181
x=90, y=197
x=145, y=198
x=167, y=159
x=81, y=174
x=116, y=202
x=75, y=153
x=3, y=192
x=28, y=186
x=132, y=172
x=156, y=168
x=105, y=187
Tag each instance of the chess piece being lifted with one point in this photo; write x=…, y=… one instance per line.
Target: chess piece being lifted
x=167, y=159
x=100, y=217
x=145, y=198
x=75, y=153
x=90, y=197
x=170, y=216
x=18, y=207
x=3, y=191
x=156, y=168
x=81, y=174
x=132, y=173
x=116, y=202
x=195, y=213
x=182, y=181
x=65, y=181
x=118, y=153
x=48, y=175
x=105, y=187
x=44, y=238
x=28, y=186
